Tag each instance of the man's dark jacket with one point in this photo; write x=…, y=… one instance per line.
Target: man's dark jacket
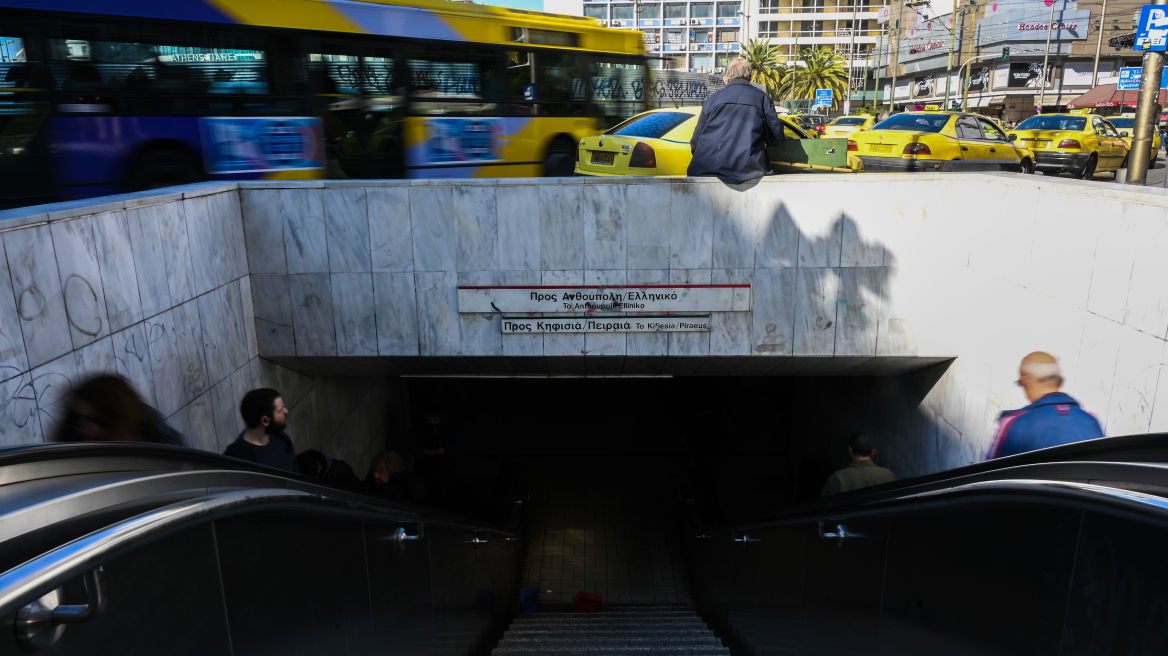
x=730, y=140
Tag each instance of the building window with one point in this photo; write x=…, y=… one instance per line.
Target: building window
x=768, y=6
x=675, y=62
x=651, y=11
x=727, y=9
x=727, y=36
x=702, y=10
x=674, y=36
x=703, y=63
x=768, y=29
x=813, y=4
x=622, y=12
x=596, y=11
x=675, y=11
x=812, y=28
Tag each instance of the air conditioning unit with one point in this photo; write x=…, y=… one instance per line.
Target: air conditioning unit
x=616, y=23
x=694, y=21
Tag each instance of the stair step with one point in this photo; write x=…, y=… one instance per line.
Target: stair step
x=630, y=640
x=585, y=650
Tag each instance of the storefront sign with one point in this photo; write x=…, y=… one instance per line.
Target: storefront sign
x=646, y=298
x=1033, y=27
x=667, y=323
x=923, y=47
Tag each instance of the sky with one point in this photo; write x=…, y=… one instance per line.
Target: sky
x=534, y=5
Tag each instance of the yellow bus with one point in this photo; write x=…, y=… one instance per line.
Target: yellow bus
x=102, y=96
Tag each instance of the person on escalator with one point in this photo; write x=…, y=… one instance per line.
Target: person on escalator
x=106, y=408
x=330, y=471
x=264, y=441
x=391, y=478
x=861, y=472
x=1053, y=417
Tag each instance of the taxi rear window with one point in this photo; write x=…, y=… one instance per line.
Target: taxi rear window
x=1073, y=123
x=914, y=122
x=651, y=126
x=850, y=120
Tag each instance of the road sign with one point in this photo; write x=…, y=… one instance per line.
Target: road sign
x=884, y=14
x=823, y=97
x=1152, y=33
x=1130, y=76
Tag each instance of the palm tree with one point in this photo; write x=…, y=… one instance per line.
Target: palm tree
x=766, y=69
x=823, y=68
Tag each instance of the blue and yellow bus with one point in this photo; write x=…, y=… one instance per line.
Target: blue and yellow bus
x=106, y=96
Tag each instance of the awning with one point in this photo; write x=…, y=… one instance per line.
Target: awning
x=1108, y=95
x=979, y=101
x=997, y=100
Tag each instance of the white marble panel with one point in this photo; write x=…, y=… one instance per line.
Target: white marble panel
x=175, y=342
x=691, y=227
x=857, y=310
x=263, y=225
x=180, y=423
x=1147, y=298
x=209, y=250
x=347, y=219
x=312, y=314
x=390, y=235
x=571, y=344
x=36, y=286
x=149, y=260
x=225, y=398
x=518, y=220
x=52, y=383
x=695, y=343
x=476, y=229
x=432, y=222
x=18, y=412
x=132, y=359
x=1060, y=262
x=437, y=294
x=1115, y=254
x=354, y=314
x=397, y=313
x=1003, y=245
x=1159, y=422
x=201, y=423
x=820, y=235
x=249, y=328
x=773, y=331
x=561, y=227
x=859, y=249
x=229, y=211
x=516, y=344
x=481, y=332
x=96, y=358
x=176, y=252
x=778, y=236
x=604, y=343
x=648, y=226
x=13, y=360
x=273, y=315
x=80, y=280
x=1096, y=365
x=647, y=343
x=1137, y=375
x=223, y=334
x=736, y=226
x=305, y=234
x=730, y=332
x=119, y=277
x=604, y=209
x=896, y=331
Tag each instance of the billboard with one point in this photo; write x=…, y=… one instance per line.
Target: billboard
x=1025, y=75
x=924, y=86
x=979, y=78
x=261, y=145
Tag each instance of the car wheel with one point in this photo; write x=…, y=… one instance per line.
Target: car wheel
x=1088, y=171
x=560, y=160
x=1026, y=167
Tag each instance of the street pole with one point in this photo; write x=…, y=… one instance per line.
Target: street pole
x=1099, y=46
x=895, y=59
x=851, y=56
x=969, y=57
x=1046, y=55
x=879, y=55
x=1146, y=115
x=949, y=65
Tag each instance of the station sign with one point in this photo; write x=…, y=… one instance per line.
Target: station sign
x=1131, y=76
x=1152, y=32
x=666, y=323
x=823, y=97
x=589, y=299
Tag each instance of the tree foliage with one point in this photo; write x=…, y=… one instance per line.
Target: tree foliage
x=823, y=68
x=766, y=69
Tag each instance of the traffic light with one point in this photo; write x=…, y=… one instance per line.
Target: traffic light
x=1005, y=53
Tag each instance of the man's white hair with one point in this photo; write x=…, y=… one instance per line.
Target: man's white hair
x=1043, y=370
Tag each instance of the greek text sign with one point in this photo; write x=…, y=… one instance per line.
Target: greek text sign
x=645, y=298
x=669, y=323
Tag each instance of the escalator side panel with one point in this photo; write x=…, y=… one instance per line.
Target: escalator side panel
x=843, y=586
x=403, y=605
x=474, y=590
x=295, y=585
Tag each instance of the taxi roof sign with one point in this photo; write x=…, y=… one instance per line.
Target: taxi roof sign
x=932, y=108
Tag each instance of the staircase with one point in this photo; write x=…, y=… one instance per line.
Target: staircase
x=639, y=630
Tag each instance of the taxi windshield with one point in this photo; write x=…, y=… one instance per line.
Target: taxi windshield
x=850, y=120
x=651, y=126
x=914, y=122
x=1123, y=122
x=1074, y=123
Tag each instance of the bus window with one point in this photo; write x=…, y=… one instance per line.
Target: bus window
x=24, y=154
x=560, y=78
x=357, y=95
x=484, y=82
x=618, y=89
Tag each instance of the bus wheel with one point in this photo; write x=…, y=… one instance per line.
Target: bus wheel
x=163, y=168
x=560, y=161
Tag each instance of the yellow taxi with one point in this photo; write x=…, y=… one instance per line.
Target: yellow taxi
x=652, y=143
x=1079, y=144
x=938, y=141
x=846, y=126
x=1126, y=125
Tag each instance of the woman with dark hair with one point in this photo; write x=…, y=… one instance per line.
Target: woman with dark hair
x=106, y=408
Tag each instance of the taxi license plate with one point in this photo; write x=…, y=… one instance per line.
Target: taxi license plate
x=602, y=158
x=875, y=148
x=1038, y=142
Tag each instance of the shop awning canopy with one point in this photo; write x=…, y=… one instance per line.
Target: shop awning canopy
x=1108, y=95
x=979, y=101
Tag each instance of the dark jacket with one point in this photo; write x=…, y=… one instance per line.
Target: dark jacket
x=1050, y=421
x=278, y=453
x=733, y=130
x=858, y=474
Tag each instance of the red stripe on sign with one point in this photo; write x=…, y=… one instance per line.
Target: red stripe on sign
x=602, y=286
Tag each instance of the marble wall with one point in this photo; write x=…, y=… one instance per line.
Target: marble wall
x=154, y=287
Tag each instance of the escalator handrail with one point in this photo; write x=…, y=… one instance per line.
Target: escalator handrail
x=40, y=575
x=1115, y=501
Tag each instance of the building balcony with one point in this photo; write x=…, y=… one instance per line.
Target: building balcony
x=729, y=21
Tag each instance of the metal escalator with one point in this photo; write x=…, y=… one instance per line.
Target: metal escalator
x=135, y=549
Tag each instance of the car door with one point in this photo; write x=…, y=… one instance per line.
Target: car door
x=1121, y=146
x=1106, y=149
x=1001, y=151
x=975, y=150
